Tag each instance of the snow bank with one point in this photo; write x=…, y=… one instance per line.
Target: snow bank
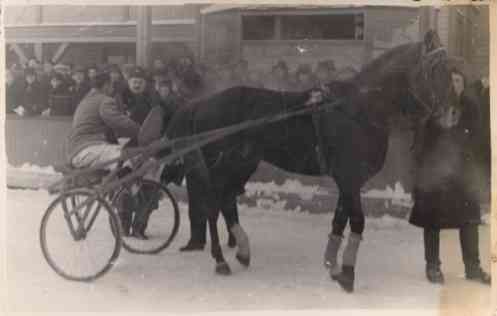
x=306, y=192
x=291, y=196
x=31, y=176
x=397, y=195
x=27, y=167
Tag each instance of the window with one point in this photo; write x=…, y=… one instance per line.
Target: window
x=322, y=27
x=258, y=27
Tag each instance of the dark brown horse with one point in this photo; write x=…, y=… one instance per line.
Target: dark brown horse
x=352, y=137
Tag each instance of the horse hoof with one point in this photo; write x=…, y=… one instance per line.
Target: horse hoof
x=334, y=271
x=346, y=280
x=346, y=285
x=245, y=261
x=223, y=269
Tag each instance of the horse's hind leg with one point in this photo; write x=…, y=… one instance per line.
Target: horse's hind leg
x=230, y=218
x=230, y=212
x=222, y=266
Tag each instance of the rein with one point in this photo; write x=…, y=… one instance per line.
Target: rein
x=183, y=145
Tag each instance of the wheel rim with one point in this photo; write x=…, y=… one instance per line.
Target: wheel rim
x=163, y=222
x=80, y=246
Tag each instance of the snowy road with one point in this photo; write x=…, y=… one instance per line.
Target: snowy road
x=286, y=271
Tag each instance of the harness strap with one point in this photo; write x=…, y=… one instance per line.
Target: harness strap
x=323, y=165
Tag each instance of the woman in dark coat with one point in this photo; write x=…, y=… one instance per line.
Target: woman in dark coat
x=59, y=97
x=32, y=95
x=80, y=86
x=445, y=196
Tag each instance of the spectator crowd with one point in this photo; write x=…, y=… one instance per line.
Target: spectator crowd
x=46, y=89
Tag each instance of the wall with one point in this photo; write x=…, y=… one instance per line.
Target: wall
x=443, y=25
x=35, y=140
x=464, y=30
x=390, y=27
x=262, y=55
x=481, y=53
x=384, y=28
x=16, y=15
x=93, y=29
x=220, y=38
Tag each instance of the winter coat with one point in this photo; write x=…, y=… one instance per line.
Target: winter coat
x=60, y=101
x=445, y=192
x=33, y=97
x=136, y=106
x=169, y=106
x=483, y=151
x=78, y=92
x=192, y=81
x=97, y=117
x=11, y=96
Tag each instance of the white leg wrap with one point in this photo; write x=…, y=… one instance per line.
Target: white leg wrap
x=241, y=240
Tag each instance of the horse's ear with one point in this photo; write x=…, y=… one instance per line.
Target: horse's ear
x=431, y=41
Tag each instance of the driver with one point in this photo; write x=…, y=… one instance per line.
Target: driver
x=98, y=116
x=99, y=120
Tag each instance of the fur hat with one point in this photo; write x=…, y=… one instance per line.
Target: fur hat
x=138, y=72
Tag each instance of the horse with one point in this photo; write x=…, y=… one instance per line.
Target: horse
x=352, y=138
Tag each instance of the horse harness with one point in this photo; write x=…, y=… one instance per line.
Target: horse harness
x=320, y=147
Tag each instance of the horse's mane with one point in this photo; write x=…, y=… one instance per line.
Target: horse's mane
x=394, y=61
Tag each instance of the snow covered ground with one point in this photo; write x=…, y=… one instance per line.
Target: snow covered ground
x=291, y=194
x=286, y=271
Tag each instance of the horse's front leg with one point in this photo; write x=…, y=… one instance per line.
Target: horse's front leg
x=352, y=205
x=340, y=220
x=222, y=266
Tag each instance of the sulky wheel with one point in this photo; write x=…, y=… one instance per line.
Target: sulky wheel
x=75, y=236
x=152, y=212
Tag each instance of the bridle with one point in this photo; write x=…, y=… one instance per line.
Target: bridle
x=426, y=70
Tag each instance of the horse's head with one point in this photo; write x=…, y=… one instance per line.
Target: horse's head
x=429, y=81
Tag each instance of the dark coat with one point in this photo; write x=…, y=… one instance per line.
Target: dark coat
x=33, y=98
x=169, y=106
x=192, y=82
x=445, y=195
x=136, y=106
x=483, y=151
x=118, y=88
x=78, y=92
x=60, y=101
x=97, y=117
x=11, y=96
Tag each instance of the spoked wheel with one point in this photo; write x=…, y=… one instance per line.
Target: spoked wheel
x=75, y=236
x=153, y=211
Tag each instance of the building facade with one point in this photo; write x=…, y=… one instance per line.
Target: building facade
x=96, y=34
x=263, y=35
x=217, y=34
x=349, y=35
